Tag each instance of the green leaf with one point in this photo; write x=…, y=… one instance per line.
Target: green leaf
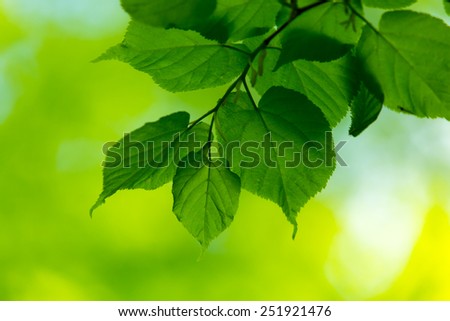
x=147, y=157
x=324, y=33
x=357, y=4
x=447, y=6
x=178, y=60
x=287, y=175
x=206, y=197
x=388, y=4
x=409, y=58
x=182, y=14
x=235, y=20
x=365, y=110
x=222, y=20
x=283, y=15
x=329, y=85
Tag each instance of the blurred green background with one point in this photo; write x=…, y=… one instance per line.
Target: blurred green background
x=379, y=231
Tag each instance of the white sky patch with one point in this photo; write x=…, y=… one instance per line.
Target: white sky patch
x=381, y=221
x=432, y=141
x=381, y=199
x=84, y=18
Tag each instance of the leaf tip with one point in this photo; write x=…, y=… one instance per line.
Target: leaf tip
x=294, y=232
x=111, y=53
x=202, y=253
x=280, y=63
x=99, y=202
x=98, y=59
x=354, y=132
x=102, y=57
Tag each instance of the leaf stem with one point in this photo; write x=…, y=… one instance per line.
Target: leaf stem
x=221, y=100
x=249, y=94
x=236, y=48
x=252, y=56
x=362, y=18
x=295, y=13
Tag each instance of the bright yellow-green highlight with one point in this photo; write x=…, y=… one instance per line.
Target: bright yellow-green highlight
x=380, y=231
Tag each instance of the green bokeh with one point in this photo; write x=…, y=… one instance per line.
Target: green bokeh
x=56, y=111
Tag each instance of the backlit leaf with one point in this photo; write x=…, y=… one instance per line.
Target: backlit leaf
x=409, y=58
x=388, y=4
x=301, y=159
x=329, y=85
x=178, y=60
x=148, y=156
x=365, y=110
x=324, y=33
x=182, y=14
x=239, y=19
x=206, y=197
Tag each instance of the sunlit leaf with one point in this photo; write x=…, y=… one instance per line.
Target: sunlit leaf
x=388, y=4
x=300, y=57
x=173, y=13
x=329, y=85
x=284, y=153
x=239, y=19
x=148, y=156
x=178, y=60
x=206, y=196
x=324, y=33
x=365, y=110
x=409, y=58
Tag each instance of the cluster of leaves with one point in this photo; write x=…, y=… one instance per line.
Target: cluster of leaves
x=309, y=63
